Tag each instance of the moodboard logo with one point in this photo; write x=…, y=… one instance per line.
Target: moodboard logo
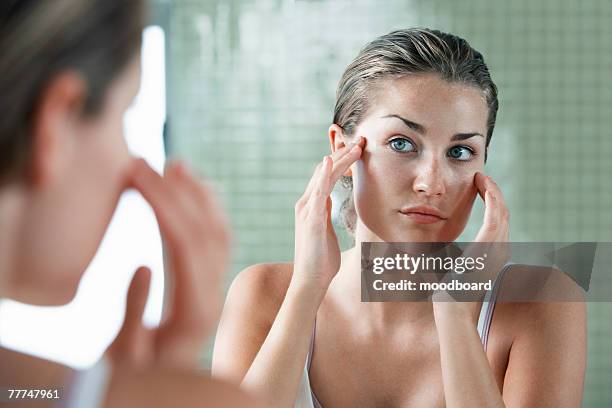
x=467, y=271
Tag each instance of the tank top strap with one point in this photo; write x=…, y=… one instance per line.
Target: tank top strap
x=315, y=401
x=311, y=348
x=488, y=307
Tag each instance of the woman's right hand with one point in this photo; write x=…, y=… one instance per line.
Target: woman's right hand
x=317, y=254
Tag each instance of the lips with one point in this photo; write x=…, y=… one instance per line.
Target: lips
x=423, y=214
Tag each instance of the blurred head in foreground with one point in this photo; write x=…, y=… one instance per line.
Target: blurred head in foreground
x=69, y=69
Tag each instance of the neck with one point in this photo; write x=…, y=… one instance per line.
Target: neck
x=347, y=285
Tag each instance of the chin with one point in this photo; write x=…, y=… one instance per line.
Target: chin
x=40, y=293
x=418, y=236
x=421, y=233
x=57, y=298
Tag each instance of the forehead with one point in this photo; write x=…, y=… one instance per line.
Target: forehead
x=431, y=101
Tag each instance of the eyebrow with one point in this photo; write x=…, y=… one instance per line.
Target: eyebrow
x=417, y=127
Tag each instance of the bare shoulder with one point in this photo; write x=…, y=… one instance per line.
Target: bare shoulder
x=26, y=369
x=263, y=285
x=537, y=308
x=130, y=387
x=539, y=296
x=540, y=322
x=32, y=373
x=253, y=301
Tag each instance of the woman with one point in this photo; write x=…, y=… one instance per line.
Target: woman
x=413, y=120
x=70, y=69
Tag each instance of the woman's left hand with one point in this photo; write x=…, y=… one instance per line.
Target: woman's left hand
x=495, y=227
x=195, y=233
x=490, y=242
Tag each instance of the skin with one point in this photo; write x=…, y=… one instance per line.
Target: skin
x=53, y=219
x=397, y=354
x=423, y=174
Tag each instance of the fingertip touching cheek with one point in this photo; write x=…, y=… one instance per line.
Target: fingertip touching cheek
x=425, y=142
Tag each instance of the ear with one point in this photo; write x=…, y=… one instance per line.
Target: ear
x=54, y=124
x=336, y=137
x=337, y=140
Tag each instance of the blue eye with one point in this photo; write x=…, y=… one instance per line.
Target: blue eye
x=460, y=153
x=402, y=145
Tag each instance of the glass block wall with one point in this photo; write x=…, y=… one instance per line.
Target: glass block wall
x=251, y=91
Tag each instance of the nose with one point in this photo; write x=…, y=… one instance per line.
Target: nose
x=429, y=180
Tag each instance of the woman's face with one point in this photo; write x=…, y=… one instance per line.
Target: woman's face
x=70, y=207
x=425, y=142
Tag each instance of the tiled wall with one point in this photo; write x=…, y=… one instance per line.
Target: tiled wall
x=251, y=93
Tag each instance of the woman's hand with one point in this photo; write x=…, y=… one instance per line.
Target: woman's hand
x=495, y=227
x=317, y=254
x=466, y=374
x=276, y=371
x=490, y=242
x=197, y=242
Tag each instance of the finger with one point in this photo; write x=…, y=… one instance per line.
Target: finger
x=199, y=191
x=346, y=149
x=494, y=189
x=197, y=280
x=491, y=219
x=318, y=197
x=198, y=251
x=341, y=160
x=137, y=296
x=188, y=199
x=180, y=222
x=479, y=182
x=336, y=157
x=313, y=179
x=342, y=165
x=329, y=212
x=149, y=183
x=162, y=194
x=486, y=183
x=201, y=203
x=203, y=211
x=159, y=195
x=503, y=213
x=132, y=327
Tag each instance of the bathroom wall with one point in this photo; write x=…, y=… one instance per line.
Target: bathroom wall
x=251, y=89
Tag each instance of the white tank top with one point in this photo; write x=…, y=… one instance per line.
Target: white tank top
x=88, y=387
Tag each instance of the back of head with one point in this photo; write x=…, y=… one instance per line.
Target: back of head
x=40, y=39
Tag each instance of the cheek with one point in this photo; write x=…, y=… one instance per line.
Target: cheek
x=108, y=163
x=367, y=179
x=379, y=164
x=461, y=193
x=108, y=150
x=460, y=183
x=380, y=186
x=99, y=178
x=67, y=220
